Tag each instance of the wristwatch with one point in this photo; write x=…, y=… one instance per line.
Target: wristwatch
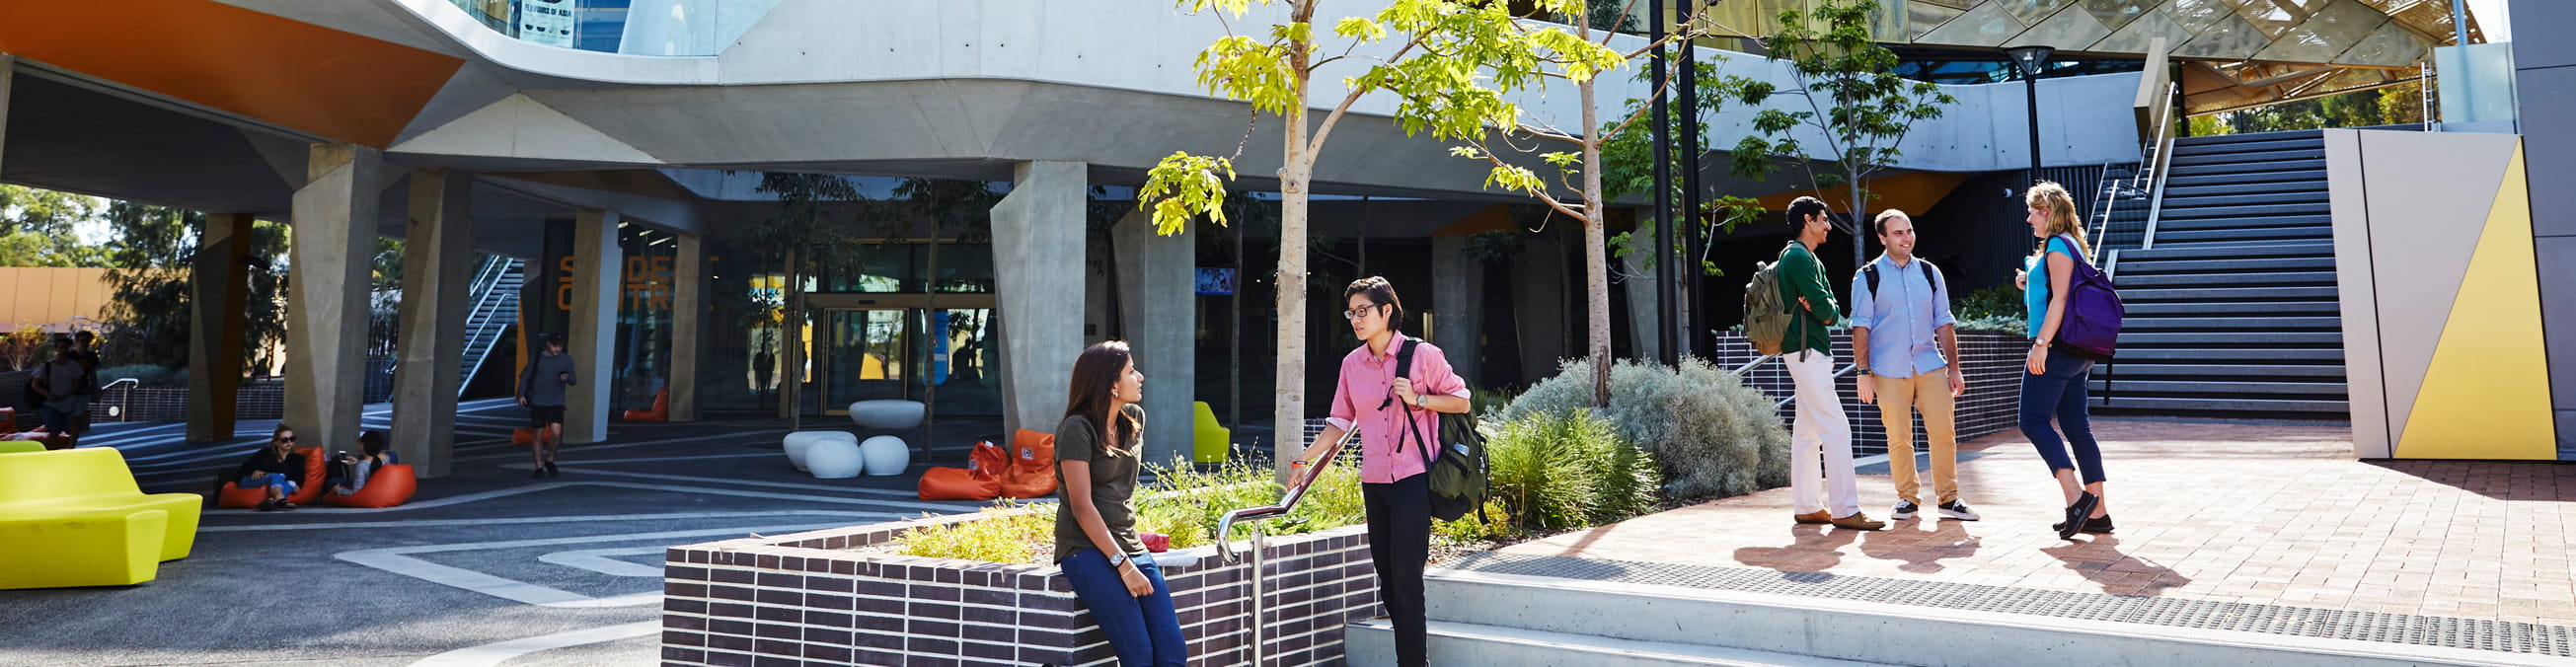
x=1116, y=560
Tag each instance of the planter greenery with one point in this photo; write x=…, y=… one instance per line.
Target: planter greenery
x=1713, y=435
x=1186, y=506
x=1569, y=469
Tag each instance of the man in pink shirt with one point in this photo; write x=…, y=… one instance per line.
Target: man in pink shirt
x=1368, y=396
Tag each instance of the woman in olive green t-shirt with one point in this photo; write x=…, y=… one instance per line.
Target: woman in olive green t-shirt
x=1095, y=526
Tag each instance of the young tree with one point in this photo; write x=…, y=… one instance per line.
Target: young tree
x=815, y=213
x=1853, y=98
x=1452, y=65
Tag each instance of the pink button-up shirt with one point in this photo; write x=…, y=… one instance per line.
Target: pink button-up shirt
x=1365, y=382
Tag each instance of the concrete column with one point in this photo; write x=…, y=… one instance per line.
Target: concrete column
x=1037, y=263
x=593, y=339
x=326, y=307
x=688, y=307
x=1642, y=318
x=8, y=70
x=219, y=288
x=438, y=265
x=1458, y=289
x=1158, y=297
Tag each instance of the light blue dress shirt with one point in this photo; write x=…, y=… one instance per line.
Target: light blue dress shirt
x=1902, y=318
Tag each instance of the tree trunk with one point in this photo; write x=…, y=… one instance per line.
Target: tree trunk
x=1596, y=261
x=1296, y=167
x=1860, y=225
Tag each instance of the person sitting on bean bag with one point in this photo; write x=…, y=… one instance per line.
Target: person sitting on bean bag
x=276, y=468
x=349, y=472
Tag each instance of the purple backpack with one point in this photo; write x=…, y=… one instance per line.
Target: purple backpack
x=2090, y=328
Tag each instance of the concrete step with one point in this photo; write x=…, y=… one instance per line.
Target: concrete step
x=2231, y=405
x=2239, y=236
x=2126, y=370
x=2229, y=294
x=2186, y=308
x=2303, y=278
x=2315, y=195
x=1373, y=643
x=2212, y=388
x=2300, y=249
x=2229, y=324
x=2262, y=262
x=2239, y=143
x=1856, y=629
x=2181, y=180
x=2205, y=355
x=2305, y=213
x=2240, y=187
x=2249, y=136
x=2182, y=159
x=2130, y=339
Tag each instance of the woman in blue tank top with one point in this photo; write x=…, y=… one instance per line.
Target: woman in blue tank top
x=2055, y=382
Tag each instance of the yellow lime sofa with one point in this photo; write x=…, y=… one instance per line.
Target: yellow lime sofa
x=74, y=517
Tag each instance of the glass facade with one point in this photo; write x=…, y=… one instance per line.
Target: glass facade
x=901, y=320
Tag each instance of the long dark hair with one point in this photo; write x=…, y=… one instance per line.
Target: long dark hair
x=1095, y=374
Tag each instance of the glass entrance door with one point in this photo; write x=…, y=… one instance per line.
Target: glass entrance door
x=867, y=355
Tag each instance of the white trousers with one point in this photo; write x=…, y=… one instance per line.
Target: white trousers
x=1821, y=430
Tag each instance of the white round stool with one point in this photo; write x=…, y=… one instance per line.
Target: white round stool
x=888, y=414
x=886, y=455
x=833, y=459
x=799, y=442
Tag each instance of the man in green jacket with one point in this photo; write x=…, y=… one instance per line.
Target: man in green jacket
x=1821, y=428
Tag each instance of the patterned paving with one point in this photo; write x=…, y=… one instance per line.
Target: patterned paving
x=2264, y=514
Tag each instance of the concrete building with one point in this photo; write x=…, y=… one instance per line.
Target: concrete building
x=610, y=169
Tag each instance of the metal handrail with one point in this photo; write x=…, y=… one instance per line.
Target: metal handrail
x=1251, y=516
x=2162, y=163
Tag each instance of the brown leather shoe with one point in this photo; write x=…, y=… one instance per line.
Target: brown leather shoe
x=1859, y=521
x=1818, y=516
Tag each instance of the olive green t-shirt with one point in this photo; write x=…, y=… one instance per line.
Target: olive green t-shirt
x=1112, y=483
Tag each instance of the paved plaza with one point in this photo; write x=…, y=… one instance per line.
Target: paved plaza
x=2218, y=512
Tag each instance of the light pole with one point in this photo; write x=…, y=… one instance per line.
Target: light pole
x=2031, y=59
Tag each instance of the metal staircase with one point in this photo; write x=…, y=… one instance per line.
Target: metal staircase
x=496, y=309
x=2230, y=290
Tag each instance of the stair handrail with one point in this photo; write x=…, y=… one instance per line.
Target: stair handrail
x=1251, y=515
x=499, y=266
x=2103, y=187
x=2161, y=163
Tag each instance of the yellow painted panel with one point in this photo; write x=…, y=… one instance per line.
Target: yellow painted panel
x=2486, y=395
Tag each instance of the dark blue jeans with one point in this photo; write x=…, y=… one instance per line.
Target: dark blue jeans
x=265, y=480
x=1144, y=630
x=2060, y=393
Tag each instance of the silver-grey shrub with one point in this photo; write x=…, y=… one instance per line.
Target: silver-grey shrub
x=1713, y=435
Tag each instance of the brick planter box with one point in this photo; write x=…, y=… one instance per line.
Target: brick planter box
x=805, y=597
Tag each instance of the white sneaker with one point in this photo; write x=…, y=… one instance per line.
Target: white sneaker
x=1904, y=510
x=1957, y=510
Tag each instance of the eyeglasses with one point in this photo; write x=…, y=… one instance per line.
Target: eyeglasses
x=286, y=439
x=1355, y=314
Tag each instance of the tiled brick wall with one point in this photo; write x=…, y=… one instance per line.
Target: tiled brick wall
x=1993, y=362
x=171, y=404
x=804, y=597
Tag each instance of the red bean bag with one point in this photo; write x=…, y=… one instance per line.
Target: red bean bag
x=980, y=481
x=314, y=468
x=1032, y=470
x=661, y=411
x=389, y=486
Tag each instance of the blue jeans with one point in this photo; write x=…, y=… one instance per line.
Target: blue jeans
x=56, y=421
x=2060, y=393
x=1145, y=631
x=261, y=481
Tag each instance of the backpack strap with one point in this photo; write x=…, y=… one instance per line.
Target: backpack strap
x=1404, y=369
x=1870, y=273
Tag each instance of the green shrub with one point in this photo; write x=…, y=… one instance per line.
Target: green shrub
x=2012, y=324
x=2001, y=300
x=1567, y=469
x=1009, y=537
x=1712, y=435
x=1496, y=523
x=1488, y=402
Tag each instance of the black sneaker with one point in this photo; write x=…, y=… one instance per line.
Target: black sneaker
x=1957, y=510
x=2075, y=515
x=551, y=471
x=1904, y=510
x=2100, y=525
x=540, y=473
x=268, y=506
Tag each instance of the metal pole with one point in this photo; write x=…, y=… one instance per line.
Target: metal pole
x=2031, y=79
x=1691, y=319
x=1665, y=298
x=1234, y=343
x=1254, y=609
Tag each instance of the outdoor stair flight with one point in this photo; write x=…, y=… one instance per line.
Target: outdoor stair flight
x=496, y=308
x=2234, y=307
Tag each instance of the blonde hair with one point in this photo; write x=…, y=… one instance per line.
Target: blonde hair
x=2061, y=217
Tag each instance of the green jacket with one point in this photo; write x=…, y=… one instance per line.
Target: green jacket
x=1801, y=275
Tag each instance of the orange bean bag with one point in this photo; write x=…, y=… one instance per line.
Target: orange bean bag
x=661, y=411
x=523, y=436
x=980, y=481
x=1032, y=470
x=389, y=486
x=314, y=467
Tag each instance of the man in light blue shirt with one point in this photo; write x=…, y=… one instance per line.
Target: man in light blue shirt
x=1903, y=339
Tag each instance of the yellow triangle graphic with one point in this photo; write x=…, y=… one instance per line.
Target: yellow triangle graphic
x=2486, y=395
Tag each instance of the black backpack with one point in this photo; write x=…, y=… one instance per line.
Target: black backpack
x=1870, y=273
x=1458, y=473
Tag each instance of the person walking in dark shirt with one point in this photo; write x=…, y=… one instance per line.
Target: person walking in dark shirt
x=65, y=386
x=541, y=389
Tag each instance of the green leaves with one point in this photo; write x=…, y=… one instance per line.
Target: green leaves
x=1183, y=186
x=1245, y=69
